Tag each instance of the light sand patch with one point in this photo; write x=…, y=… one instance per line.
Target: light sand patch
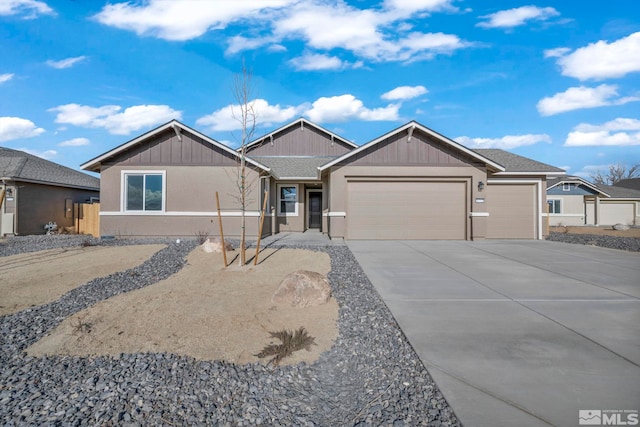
x=204, y=311
x=36, y=278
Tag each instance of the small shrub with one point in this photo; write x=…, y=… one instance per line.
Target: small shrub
x=87, y=242
x=291, y=341
x=82, y=326
x=201, y=236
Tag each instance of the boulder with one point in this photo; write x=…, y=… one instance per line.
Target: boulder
x=302, y=288
x=215, y=245
x=621, y=227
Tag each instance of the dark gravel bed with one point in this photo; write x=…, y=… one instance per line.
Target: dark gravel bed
x=613, y=242
x=371, y=376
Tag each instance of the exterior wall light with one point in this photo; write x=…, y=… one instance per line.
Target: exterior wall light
x=480, y=185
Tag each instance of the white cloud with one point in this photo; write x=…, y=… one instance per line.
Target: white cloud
x=506, y=142
x=347, y=107
x=618, y=132
x=75, y=142
x=183, y=20
x=515, y=17
x=557, y=52
x=47, y=154
x=226, y=118
x=411, y=6
x=576, y=98
x=28, y=8
x=6, y=77
x=17, y=128
x=317, y=61
x=65, y=63
x=404, y=92
x=109, y=116
x=602, y=60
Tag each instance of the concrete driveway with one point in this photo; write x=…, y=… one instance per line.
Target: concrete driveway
x=516, y=333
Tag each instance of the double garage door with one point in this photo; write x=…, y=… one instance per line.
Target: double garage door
x=407, y=210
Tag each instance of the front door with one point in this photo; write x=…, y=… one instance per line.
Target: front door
x=315, y=210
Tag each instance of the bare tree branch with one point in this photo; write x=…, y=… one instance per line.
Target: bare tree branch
x=615, y=174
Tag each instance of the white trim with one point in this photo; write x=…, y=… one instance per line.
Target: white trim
x=307, y=204
x=178, y=213
x=123, y=189
x=537, y=183
x=424, y=129
x=278, y=211
x=560, y=214
x=530, y=173
x=478, y=214
x=555, y=199
x=334, y=214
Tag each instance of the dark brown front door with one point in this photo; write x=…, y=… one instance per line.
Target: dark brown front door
x=315, y=210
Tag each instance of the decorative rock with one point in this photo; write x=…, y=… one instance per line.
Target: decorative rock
x=215, y=245
x=621, y=227
x=303, y=288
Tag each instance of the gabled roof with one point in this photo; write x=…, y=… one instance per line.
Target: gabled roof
x=570, y=179
x=17, y=165
x=294, y=167
x=94, y=164
x=616, y=192
x=515, y=164
x=412, y=125
x=300, y=122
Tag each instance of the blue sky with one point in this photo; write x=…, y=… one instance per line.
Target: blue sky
x=557, y=81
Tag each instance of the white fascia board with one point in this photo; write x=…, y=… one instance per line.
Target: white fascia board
x=531, y=173
x=424, y=129
x=578, y=180
x=172, y=124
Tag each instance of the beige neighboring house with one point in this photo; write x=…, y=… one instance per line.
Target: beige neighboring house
x=410, y=183
x=572, y=200
x=37, y=191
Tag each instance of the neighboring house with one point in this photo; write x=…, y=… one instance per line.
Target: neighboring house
x=38, y=191
x=632, y=183
x=572, y=200
x=411, y=183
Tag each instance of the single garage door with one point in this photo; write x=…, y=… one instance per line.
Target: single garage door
x=406, y=210
x=512, y=211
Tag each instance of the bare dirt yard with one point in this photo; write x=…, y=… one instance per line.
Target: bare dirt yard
x=36, y=278
x=598, y=231
x=204, y=311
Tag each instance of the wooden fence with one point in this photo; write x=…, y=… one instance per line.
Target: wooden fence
x=87, y=218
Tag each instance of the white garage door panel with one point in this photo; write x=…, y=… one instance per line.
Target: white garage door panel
x=406, y=210
x=512, y=211
x=616, y=213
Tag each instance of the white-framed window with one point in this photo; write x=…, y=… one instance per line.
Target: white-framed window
x=555, y=206
x=143, y=191
x=566, y=186
x=287, y=200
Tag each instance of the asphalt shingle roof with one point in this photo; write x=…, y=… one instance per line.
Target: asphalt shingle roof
x=633, y=183
x=293, y=167
x=18, y=165
x=619, y=192
x=515, y=163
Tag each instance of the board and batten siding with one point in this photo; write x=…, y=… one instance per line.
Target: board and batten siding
x=165, y=149
x=421, y=150
x=299, y=141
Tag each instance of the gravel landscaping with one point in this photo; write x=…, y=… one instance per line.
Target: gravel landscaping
x=612, y=242
x=371, y=376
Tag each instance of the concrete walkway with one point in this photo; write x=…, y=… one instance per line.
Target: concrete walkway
x=307, y=238
x=516, y=333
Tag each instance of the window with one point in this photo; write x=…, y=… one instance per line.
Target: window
x=287, y=200
x=554, y=206
x=144, y=191
x=566, y=186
